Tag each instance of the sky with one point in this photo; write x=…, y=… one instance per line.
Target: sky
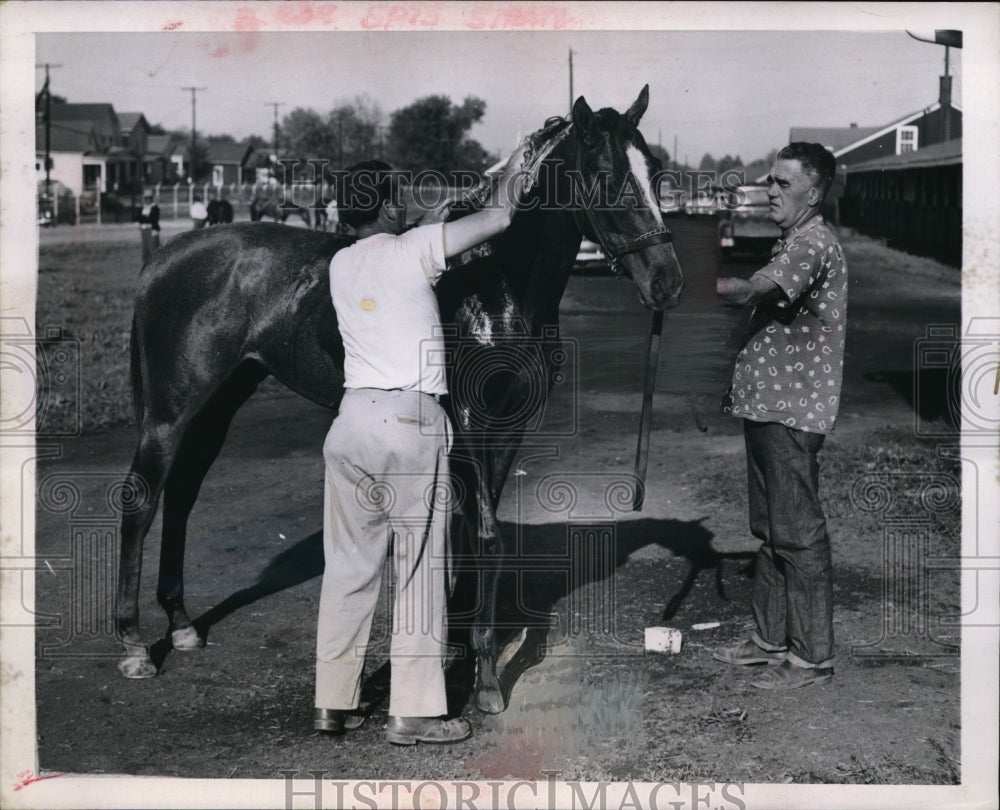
x=721, y=92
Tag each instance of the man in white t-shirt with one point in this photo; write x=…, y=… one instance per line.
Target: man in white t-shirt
x=387, y=456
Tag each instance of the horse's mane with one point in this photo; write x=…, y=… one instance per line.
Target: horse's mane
x=538, y=146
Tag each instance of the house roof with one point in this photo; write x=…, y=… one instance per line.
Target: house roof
x=947, y=153
x=845, y=139
x=222, y=152
x=160, y=145
x=82, y=112
x=65, y=138
x=129, y=120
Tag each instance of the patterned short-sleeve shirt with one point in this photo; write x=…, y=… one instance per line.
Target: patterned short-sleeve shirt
x=791, y=369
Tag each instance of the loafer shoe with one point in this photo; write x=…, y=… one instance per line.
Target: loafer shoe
x=789, y=676
x=336, y=721
x=748, y=653
x=411, y=730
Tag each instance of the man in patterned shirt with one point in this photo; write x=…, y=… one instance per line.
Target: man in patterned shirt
x=786, y=388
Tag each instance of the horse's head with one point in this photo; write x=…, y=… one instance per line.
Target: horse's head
x=613, y=190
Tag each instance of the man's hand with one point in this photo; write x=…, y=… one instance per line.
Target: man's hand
x=757, y=290
x=436, y=215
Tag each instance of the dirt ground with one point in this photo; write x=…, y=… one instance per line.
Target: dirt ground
x=588, y=575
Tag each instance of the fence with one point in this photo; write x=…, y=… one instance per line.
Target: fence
x=175, y=201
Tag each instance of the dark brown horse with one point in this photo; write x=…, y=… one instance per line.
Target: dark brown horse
x=220, y=212
x=261, y=207
x=248, y=301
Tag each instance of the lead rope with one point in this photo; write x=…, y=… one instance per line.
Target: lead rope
x=646, y=420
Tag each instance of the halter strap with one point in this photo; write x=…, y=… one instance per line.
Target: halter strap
x=616, y=249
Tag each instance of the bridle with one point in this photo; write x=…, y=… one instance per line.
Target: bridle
x=616, y=246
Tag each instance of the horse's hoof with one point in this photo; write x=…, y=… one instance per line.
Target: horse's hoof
x=489, y=700
x=186, y=638
x=137, y=667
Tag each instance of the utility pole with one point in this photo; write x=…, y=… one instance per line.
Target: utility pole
x=275, y=104
x=571, y=80
x=48, y=125
x=194, y=136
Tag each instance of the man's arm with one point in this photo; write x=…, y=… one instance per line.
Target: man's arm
x=757, y=290
x=474, y=229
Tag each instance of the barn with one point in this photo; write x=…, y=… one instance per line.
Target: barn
x=854, y=145
x=913, y=200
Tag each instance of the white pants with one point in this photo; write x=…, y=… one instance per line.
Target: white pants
x=386, y=484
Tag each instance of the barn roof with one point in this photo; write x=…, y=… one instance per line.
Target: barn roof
x=947, y=153
x=833, y=138
x=844, y=139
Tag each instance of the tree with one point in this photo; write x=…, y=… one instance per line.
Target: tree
x=728, y=162
x=356, y=127
x=431, y=133
x=346, y=134
x=306, y=134
x=707, y=163
x=660, y=154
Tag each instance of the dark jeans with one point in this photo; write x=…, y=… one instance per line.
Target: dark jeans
x=793, y=583
x=150, y=242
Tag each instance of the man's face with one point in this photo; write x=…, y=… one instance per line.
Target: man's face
x=791, y=192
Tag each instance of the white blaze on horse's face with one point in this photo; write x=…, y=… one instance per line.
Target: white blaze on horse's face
x=640, y=171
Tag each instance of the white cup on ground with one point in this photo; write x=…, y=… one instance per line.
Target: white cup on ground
x=663, y=639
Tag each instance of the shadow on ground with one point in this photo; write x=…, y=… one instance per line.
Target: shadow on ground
x=546, y=563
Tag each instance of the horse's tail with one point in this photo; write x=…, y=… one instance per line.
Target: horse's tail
x=135, y=371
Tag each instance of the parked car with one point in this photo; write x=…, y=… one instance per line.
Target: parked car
x=56, y=205
x=704, y=202
x=745, y=221
x=590, y=256
x=672, y=200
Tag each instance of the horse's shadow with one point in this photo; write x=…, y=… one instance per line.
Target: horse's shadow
x=544, y=563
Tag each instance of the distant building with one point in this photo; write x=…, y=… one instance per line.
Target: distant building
x=81, y=137
x=92, y=148
x=163, y=162
x=853, y=145
x=913, y=200
x=229, y=163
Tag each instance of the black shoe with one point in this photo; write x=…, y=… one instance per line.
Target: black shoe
x=336, y=721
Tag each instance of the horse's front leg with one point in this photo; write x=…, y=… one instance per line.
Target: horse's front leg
x=489, y=556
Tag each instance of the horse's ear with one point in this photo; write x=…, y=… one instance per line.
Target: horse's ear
x=583, y=119
x=638, y=107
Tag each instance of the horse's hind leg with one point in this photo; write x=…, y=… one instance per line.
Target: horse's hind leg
x=203, y=438
x=140, y=498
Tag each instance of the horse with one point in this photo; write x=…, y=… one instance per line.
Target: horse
x=220, y=212
x=260, y=207
x=249, y=301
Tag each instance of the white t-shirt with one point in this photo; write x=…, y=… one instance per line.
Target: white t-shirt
x=383, y=292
